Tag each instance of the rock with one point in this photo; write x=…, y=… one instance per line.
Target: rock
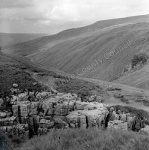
x=24, y=110
x=33, y=108
x=15, y=85
x=99, y=99
x=63, y=118
x=7, y=121
x=4, y=128
x=91, y=99
x=24, y=120
x=3, y=115
x=60, y=124
x=73, y=119
x=43, y=95
x=118, y=124
x=23, y=96
x=92, y=115
x=1, y=102
x=9, y=129
x=14, y=99
x=53, y=90
x=80, y=105
x=82, y=121
x=48, y=117
x=8, y=113
x=50, y=112
x=61, y=109
x=46, y=123
x=145, y=130
x=60, y=94
x=35, y=83
x=67, y=97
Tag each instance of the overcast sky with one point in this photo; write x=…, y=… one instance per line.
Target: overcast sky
x=51, y=16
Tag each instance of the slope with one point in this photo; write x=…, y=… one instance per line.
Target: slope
x=139, y=78
x=45, y=43
x=9, y=39
x=102, y=55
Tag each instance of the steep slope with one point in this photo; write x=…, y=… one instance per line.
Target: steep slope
x=99, y=51
x=139, y=78
x=101, y=55
x=45, y=43
x=9, y=39
x=20, y=70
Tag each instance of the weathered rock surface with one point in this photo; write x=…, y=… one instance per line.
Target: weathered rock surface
x=145, y=130
x=118, y=124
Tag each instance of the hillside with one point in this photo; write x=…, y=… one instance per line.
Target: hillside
x=9, y=39
x=139, y=78
x=99, y=51
x=101, y=56
x=90, y=139
x=21, y=71
x=45, y=43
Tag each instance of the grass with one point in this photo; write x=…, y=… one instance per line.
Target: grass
x=12, y=71
x=80, y=87
x=5, y=142
x=88, y=139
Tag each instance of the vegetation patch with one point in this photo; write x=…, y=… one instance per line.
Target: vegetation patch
x=82, y=88
x=139, y=59
x=88, y=139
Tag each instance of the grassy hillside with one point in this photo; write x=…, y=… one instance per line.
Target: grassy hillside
x=139, y=78
x=47, y=42
x=102, y=55
x=17, y=69
x=90, y=139
x=99, y=51
x=9, y=39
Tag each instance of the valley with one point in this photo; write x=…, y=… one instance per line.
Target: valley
x=74, y=78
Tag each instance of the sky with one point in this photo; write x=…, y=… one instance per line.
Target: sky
x=52, y=16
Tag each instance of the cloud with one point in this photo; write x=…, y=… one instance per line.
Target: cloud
x=68, y=12
x=14, y=3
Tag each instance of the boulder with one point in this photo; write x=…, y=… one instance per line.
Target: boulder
x=77, y=119
x=4, y=128
x=63, y=118
x=60, y=124
x=3, y=115
x=23, y=96
x=46, y=123
x=24, y=110
x=92, y=115
x=7, y=121
x=145, y=130
x=80, y=105
x=33, y=108
x=99, y=99
x=61, y=109
x=50, y=112
x=14, y=99
x=118, y=124
x=15, y=85
x=24, y=120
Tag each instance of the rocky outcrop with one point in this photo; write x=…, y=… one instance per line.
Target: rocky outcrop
x=87, y=115
x=118, y=124
x=145, y=130
x=57, y=110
